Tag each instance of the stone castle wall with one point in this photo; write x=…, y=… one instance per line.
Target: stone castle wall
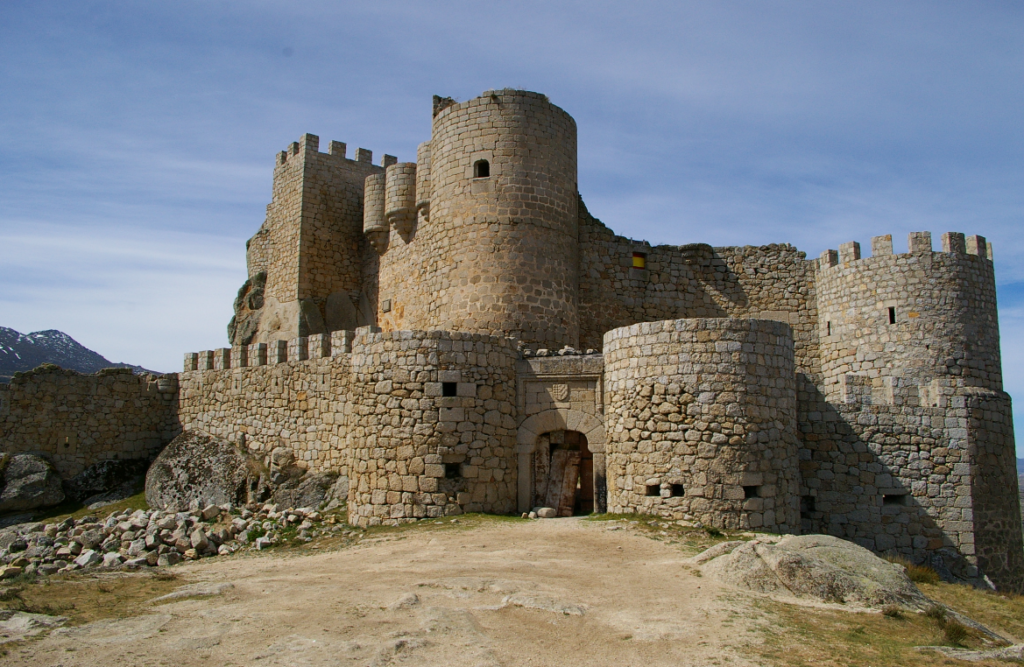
x=701, y=422
x=78, y=420
x=773, y=282
x=295, y=400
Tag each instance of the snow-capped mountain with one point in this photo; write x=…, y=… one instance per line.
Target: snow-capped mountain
x=23, y=352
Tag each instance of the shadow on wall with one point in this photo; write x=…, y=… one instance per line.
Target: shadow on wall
x=878, y=475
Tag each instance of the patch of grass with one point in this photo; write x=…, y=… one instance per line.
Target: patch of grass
x=919, y=574
x=796, y=636
x=76, y=511
x=89, y=597
x=956, y=632
x=892, y=611
x=1003, y=613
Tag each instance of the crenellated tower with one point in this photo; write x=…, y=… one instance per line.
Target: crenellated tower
x=488, y=220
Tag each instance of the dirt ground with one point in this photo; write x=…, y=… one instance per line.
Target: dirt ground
x=555, y=592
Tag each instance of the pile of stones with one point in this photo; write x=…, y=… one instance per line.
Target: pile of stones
x=130, y=540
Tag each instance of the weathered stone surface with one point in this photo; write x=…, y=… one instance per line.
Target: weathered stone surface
x=311, y=490
x=199, y=468
x=28, y=482
x=248, y=309
x=821, y=567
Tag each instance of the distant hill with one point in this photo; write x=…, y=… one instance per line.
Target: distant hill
x=23, y=352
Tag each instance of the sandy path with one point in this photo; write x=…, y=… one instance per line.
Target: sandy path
x=554, y=592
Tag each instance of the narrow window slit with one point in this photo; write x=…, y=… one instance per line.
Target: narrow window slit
x=894, y=499
x=892, y=315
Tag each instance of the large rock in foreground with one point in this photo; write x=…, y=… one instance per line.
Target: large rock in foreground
x=820, y=567
x=197, y=469
x=28, y=482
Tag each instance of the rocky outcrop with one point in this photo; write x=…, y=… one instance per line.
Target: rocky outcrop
x=28, y=482
x=197, y=470
x=248, y=308
x=819, y=567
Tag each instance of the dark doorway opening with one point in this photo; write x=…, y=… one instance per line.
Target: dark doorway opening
x=564, y=473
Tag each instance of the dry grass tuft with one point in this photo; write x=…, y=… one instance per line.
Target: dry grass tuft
x=919, y=574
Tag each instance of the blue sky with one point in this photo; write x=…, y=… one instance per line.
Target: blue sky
x=137, y=139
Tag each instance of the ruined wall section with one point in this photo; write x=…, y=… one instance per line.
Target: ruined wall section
x=431, y=426
x=500, y=253
x=77, y=420
x=774, y=282
x=701, y=422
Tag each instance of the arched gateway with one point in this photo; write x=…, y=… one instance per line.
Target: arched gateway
x=560, y=420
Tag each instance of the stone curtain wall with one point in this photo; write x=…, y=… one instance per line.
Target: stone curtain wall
x=701, y=422
x=774, y=282
x=418, y=453
x=298, y=404
x=78, y=420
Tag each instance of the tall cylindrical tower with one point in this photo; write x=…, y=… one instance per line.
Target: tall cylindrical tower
x=501, y=242
x=901, y=321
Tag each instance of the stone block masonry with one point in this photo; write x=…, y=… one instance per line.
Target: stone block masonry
x=701, y=421
x=78, y=420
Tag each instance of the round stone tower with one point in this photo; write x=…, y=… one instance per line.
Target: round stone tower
x=701, y=422
x=501, y=246
x=898, y=328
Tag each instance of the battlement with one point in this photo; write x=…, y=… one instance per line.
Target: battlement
x=308, y=146
x=322, y=346
x=918, y=243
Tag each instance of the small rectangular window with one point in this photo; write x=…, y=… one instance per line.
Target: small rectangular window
x=449, y=389
x=451, y=470
x=894, y=499
x=828, y=327
x=892, y=315
x=806, y=506
x=751, y=491
x=678, y=490
x=639, y=260
x=653, y=490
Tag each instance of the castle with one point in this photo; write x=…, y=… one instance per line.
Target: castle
x=459, y=334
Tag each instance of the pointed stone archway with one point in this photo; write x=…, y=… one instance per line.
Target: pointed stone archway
x=560, y=420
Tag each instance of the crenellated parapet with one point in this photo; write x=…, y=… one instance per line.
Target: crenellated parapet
x=916, y=316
